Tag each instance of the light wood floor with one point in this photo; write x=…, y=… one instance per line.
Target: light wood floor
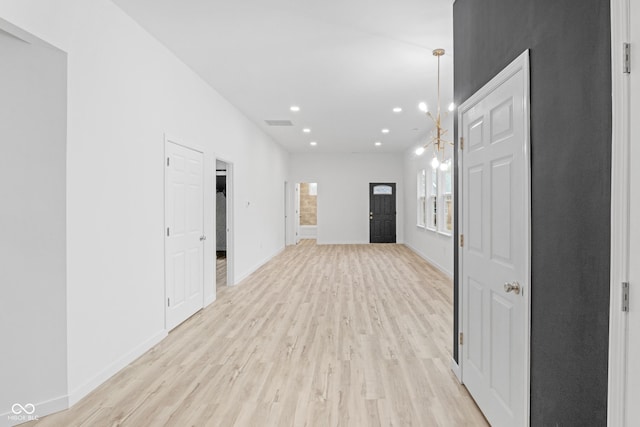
x=221, y=272
x=356, y=335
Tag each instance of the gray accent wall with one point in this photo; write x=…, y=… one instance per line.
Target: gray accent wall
x=571, y=169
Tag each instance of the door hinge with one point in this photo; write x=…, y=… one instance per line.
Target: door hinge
x=167, y=231
x=626, y=58
x=625, y=296
x=462, y=143
x=462, y=240
x=461, y=341
x=168, y=302
x=167, y=161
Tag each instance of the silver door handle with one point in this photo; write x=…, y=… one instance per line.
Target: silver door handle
x=512, y=287
x=203, y=238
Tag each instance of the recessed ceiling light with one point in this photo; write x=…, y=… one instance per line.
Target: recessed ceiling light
x=385, y=130
x=313, y=143
x=419, y=151
x=377, y=143
x=452, y=106
x=423, y=107
x=397, y=110
x=295, y=108
x=306, y=130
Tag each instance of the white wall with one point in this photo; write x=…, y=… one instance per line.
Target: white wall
x=343, y=191
x=258, y=202
x=125, y=91
x=430, y=245
x=33, y=328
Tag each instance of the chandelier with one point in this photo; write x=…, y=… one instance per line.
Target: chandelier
x=437, y=141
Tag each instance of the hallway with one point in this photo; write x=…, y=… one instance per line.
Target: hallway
x=350, y=335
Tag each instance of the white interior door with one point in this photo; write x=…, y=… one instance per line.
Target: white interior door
x=184, y=245
x=494, y=254
x=633, y=357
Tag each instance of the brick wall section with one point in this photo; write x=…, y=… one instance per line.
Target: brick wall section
x=308, y=206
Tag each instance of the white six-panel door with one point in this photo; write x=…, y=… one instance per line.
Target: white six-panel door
x=494, y=252
x=184, y=273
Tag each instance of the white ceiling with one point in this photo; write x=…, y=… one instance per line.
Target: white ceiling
x=346, y=63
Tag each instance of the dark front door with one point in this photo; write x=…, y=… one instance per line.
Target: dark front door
x=382, y=213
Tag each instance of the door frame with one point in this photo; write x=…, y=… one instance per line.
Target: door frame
x=168, y=139
x=230, y=223
x=286, y=213
x=620, y=221
x=395, y=208
x=296, y=216
x=520, y=63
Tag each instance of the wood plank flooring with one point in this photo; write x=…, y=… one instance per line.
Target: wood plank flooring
x=353, y=335
x=221, y=272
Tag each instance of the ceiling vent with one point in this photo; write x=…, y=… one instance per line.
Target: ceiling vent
x=279, y=122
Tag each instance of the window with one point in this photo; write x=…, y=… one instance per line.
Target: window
x=422, y=198
x=313, y=189
x=435, y=199
x=382, y=189
x=445, y=198
x=432, y=199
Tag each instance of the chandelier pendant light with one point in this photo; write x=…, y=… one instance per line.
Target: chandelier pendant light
x=437, y=140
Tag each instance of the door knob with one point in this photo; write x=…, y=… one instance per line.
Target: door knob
x=512, y=287
x=203, y=238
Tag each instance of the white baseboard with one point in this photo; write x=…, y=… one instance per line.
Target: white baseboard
x=76, y=395
x=253, y=269
x=430, y=261
x=456, y=370
x=43, y=409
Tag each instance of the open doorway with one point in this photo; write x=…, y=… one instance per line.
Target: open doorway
x=224, y=217
x=307, y=211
